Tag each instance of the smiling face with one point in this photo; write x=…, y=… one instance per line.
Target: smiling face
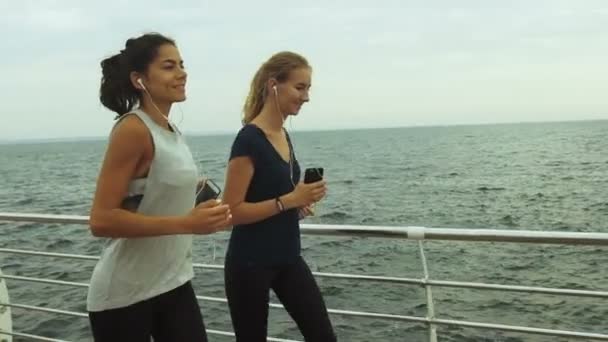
x=293, y=92
x=287, y=73
x=165, y=78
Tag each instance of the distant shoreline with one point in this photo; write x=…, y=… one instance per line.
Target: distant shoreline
x=228, y=133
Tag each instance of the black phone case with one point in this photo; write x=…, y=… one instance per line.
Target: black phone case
x=206, y=193
x=312, y=175
x=131, y=203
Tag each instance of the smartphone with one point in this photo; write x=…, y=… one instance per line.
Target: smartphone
x=313, y=174
x=208, y=190
x=131, y=203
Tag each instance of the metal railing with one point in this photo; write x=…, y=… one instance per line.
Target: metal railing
x=413, y=233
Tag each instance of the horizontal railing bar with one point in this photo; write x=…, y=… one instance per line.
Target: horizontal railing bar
x=416, y=233
x=47, y=310
x=522, y=329
x=31, y=337
x=43, y=280
x=49, y=254
x=460, y=234
x=378, y=315
x=44, y=218
x=518, y=288
x=439, y=283
x=398, y=280
x=209, y=266
x=344, y=276
x=224, y=300
x=336, y=311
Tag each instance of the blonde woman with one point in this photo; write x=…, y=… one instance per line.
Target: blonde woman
x=267, y=200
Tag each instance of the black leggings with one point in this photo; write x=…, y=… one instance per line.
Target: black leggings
x=248, y=287
x=171, y=316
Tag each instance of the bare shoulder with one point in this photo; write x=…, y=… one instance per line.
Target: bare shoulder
x=130, y=130
x=130, y=126
x=130, y=139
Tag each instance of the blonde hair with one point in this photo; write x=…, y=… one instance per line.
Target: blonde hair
x=278, y=67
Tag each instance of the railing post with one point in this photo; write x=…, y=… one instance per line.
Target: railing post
x=6, y=323
x=429, y=295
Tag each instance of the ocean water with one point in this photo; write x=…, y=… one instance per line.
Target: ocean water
x=538, y=176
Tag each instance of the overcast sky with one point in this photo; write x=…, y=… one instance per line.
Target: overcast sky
x=376, y=63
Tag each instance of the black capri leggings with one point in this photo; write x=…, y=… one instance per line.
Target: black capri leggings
x=248, y=287
x=169, y=317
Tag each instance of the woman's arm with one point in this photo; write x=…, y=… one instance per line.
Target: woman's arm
x=238, y=176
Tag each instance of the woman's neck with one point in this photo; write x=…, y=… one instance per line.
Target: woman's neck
x=270, y=119
x=159, y=112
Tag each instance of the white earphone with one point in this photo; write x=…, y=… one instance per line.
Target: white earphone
x=141, y=83
x=143, y=87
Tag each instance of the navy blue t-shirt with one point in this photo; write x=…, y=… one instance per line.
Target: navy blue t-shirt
x=276, y=239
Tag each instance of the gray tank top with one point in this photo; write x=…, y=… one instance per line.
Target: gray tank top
x=131, y=270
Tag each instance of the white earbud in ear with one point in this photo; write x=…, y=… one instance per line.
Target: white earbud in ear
x=143, y=87
x=276, y=101
x=141, y=83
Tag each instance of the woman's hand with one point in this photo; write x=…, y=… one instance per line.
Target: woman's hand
x=209, y=217
x=305, y=195
x=306, y=211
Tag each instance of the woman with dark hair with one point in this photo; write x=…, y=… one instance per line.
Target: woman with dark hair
x=145, y=203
